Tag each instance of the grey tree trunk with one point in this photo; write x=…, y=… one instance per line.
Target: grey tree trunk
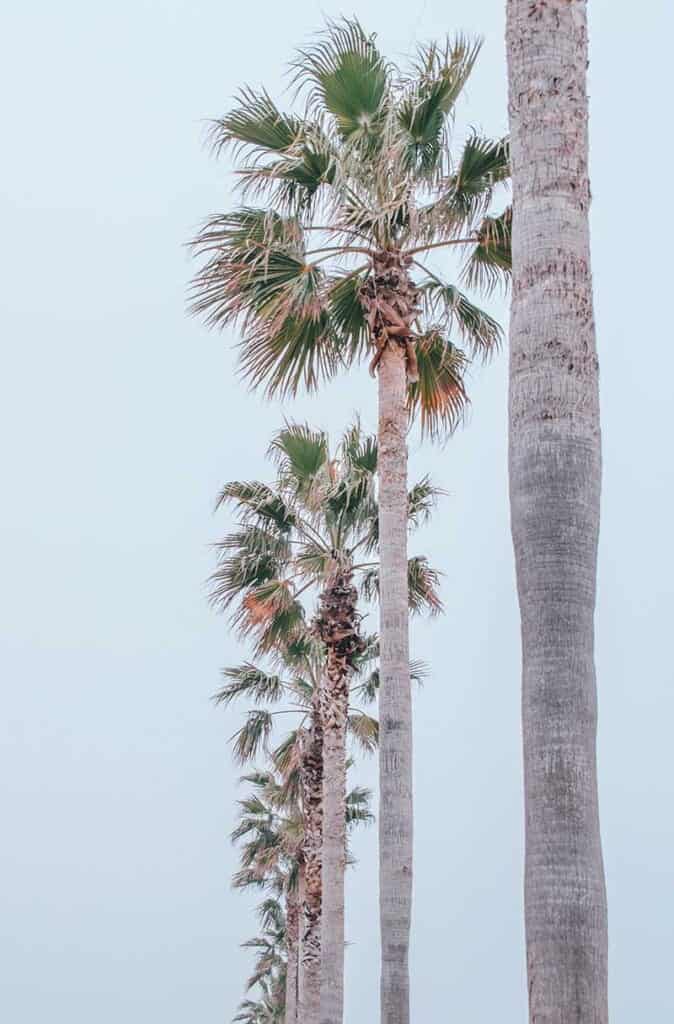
x=292, y=967
x=337, y=624
x=312, y=800
x=395, y=708
x=334, y=864
x=301, y=889
x=555, y=478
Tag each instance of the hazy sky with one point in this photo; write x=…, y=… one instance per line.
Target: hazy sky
x=121, y=418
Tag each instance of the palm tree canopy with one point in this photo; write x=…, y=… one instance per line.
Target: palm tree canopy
x=319, y=515
x=366, y=167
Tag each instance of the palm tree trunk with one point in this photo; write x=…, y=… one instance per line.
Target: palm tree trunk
x=395, y=708
x=555, y=478
x=337, y=625
x=292, y=968
x=312, y=784
x=334, y=864
x=301, y=890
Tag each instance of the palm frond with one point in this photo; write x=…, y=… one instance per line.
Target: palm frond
x=248, y=680
x=252, y=735
x=253, y=500
x=364, y=730
x=239, y=574
x=439, y=396
x=480, y=332
x=423, y=582
x=302, y=352
x=421, y=500
x=271, y=614
x=257, y=126
x=489, y=264
x=440, y=73
x=347, y=316
x=346, y=76
x=358, y=804
x=301, y=453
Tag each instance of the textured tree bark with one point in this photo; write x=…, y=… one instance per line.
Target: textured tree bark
x=334, y=864
x=555, y=479
x=337, y=624
x=395, y=709
x=301, y=889
x=292, y=967
x=312, y=796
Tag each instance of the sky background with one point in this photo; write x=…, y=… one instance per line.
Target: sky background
x=121, y=418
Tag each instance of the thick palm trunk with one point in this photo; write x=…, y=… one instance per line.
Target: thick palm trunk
x=555, y=470
x=395, y=708
x=292, y=967
x=312, y=797
x=337, y=625
x=390, y=301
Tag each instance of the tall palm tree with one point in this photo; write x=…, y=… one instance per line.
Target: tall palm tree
x=271, y=820
x=312, y=530
x=287, y=818
x=555, y=478
x=357, y=187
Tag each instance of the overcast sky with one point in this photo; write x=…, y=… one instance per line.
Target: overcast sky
x=120, y=420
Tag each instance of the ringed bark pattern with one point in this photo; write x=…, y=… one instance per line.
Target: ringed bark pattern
x=312, y=799
x=555, y=479
x=392, y=289
x=337, y=624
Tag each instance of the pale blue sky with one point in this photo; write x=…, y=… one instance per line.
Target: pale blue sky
x=120, y=419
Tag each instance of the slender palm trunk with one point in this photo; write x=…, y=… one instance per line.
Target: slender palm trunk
x=301, y=890
x=312, y=798
x=390, y=301
x=334, y=863
x=337, y=625
x=292, y=968
x=395, y=707
x=555, y=476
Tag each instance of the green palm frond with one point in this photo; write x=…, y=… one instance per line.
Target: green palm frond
x=270, y=613
x=489, y=264
x=358, y=804
x=301, y=352
x=423, y=582
x=367, y=691
x=252, y=736
x=287, y=755
x=239, y=574
x=439, y=397
x=256, y=501
x=440, y=73
x=346, y=75
x=257, y=126
x=300, y=453
x=480, y=332
x=347, y=315
x=249, y=681
x=421, y=500
x=364, y=730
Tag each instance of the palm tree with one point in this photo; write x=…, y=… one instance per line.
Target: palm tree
x=555, y=478
x=287, y=818
x=309, y=531
x=365, y=173
x=272, y=822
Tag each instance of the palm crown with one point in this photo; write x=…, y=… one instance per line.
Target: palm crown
x=365, y=171
x=319, y=517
